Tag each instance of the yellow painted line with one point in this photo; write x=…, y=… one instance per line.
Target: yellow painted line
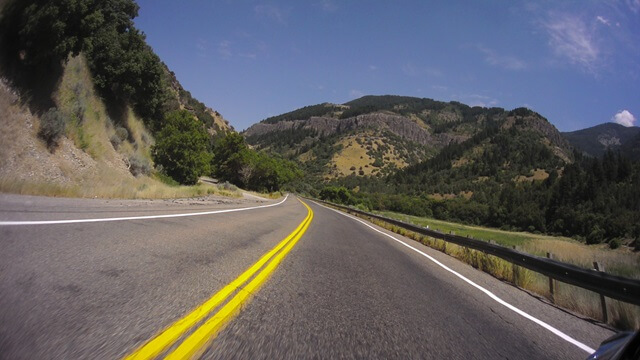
x=197, y=342
x=169, y=336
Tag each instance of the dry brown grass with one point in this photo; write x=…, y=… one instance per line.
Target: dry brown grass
x=307, y=156
x=439, y=197
x=85, y=164
x=354, y=154
x=114, y=188
x=538, y=175
x=621, y=262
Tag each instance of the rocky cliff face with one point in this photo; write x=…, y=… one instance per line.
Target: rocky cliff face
x=326, y=126
x=183, y=99
x=558, y=143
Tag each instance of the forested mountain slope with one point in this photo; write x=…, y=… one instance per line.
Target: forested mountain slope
x=375, y=135
x=596, y=140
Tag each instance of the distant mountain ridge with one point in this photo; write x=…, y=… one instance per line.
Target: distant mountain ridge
x=596, y=140
x=375, y=135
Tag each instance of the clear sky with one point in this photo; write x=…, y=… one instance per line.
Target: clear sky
x=575, y=62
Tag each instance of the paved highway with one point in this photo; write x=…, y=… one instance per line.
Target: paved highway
x=334, y=288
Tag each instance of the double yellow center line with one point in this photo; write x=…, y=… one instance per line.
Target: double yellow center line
x=196, y=343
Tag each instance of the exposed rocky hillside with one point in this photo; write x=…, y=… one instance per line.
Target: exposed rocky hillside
x=94, y=148
x=215, y=122
x=596, y=140
x=378, y=121
x=378, y=134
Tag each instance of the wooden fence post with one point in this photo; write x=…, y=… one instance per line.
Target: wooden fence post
x=552, y=284
x=603, y=302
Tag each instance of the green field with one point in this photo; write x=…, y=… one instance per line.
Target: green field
x=622, y=261
x=505, y=238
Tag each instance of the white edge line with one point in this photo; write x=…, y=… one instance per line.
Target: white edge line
x=487, y=292
x=146, y=217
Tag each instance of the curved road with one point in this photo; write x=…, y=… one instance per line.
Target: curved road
x=101, y=290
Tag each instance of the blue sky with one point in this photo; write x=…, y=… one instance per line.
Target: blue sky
x=575, y=62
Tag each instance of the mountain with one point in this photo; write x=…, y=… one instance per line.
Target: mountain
x=632, y=147
x=491, y=167
x=376, y=135
x=596, y=140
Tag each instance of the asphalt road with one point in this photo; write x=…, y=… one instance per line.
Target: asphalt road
x=100, y=290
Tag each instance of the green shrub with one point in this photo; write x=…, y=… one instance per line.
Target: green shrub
x=614, y=243
x=227, y=186
x=166, y=179
x=122, y=134
x=235, y=162
x=79, y=108
x=338, y=195
x=139, y=165
x=595, y=236
x=52, y=127
x=181, y=148
x=115, y=141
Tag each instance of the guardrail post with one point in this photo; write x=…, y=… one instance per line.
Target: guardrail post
x=514, y=269
x=552, y=283
x=603, y=302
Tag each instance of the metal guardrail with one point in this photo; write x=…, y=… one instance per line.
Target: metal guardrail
x=612, y=286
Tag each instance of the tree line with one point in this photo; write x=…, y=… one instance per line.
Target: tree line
x=594, y=200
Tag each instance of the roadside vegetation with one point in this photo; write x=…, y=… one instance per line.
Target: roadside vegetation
x=622, y=262
x=109, y=188
x=235, y=162
x=593, y=200
x=620, y=315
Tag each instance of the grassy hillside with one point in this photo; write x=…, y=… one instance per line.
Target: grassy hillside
x=97, y=157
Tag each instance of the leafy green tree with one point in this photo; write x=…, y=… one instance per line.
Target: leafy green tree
x=270, y=173
x=230, y=156
x=37, y=36
x=45, y=31
x=235, y=162
x=181, y=148
x=337, y=194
